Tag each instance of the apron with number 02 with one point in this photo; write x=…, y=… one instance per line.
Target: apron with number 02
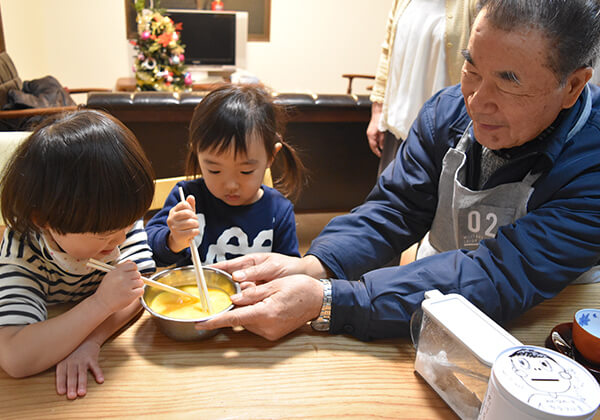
x=465, y=217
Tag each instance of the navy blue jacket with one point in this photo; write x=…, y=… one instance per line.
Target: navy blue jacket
x=527, y=262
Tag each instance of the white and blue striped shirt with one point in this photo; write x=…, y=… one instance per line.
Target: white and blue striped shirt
x=32, y=276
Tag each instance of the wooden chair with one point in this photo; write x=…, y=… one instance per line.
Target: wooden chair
x=9, y=140
x=351, y=77
x=163, y=186
x=410, y=254
x=9, y=79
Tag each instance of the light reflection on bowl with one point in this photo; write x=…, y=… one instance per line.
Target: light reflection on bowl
x=183, y=329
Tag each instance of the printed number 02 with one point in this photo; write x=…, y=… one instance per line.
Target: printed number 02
x=474, y=223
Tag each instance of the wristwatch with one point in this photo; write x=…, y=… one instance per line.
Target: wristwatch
x=323, y=322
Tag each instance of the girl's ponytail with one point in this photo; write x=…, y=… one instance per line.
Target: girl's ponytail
x=293, y=172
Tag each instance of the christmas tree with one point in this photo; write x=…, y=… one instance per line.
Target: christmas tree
x=160, y=54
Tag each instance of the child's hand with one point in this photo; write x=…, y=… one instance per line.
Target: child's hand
x=120, y=287
x=183, y=225
x=72, y=372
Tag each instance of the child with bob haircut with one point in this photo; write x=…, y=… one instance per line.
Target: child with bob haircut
x=74, y=190
x=234, y=137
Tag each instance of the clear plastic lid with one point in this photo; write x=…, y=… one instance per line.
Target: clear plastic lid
x=467, y=324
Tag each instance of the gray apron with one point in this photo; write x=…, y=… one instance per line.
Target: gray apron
x=465, y=217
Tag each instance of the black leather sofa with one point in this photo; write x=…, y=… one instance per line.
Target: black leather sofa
x=327, y=130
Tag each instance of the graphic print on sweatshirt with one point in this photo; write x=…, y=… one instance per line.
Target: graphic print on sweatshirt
x=233, y=241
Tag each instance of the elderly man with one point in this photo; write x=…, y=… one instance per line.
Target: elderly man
x=500, y=176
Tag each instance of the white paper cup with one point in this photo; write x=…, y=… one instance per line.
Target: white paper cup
x=528, y=382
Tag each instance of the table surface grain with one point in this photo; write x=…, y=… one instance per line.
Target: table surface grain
x=306, y=375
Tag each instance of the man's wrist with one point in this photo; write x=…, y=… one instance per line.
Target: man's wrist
x=313, y=267
x=323, y=321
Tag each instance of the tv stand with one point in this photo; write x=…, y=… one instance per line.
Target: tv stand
x=207, y=77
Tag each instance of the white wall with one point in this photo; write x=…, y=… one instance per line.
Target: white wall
x=83, y=43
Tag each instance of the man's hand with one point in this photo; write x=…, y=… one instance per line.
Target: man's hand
x=273, y=309
x=71, y=373
x=264, y=267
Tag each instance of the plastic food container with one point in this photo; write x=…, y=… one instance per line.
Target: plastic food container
x=530, y=383
x=456, y=347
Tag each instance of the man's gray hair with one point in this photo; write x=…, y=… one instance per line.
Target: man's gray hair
x=571, y=26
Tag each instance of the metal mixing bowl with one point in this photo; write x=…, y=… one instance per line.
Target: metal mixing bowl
x=183, y=329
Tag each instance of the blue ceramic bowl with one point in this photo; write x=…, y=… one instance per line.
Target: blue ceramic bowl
x=586, y=334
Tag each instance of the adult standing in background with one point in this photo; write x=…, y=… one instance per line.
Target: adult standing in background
x=421, y=54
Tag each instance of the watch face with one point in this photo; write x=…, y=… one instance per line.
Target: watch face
x=320, y=325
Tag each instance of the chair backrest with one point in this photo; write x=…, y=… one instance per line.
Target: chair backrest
x=163, y=186
x=9, y=78
x=9, y=140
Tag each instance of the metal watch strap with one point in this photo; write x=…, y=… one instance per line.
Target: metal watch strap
x=323, y=322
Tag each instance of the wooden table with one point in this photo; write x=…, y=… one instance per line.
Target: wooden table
x=240, y=375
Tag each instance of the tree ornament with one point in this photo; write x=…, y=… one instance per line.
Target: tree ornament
x=148, y=64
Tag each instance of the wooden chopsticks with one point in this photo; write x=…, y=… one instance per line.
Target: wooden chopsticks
x=99, y=265
x=198, y=271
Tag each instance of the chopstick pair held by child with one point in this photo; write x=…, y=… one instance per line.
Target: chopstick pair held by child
x=234, y=137
x=75, y=189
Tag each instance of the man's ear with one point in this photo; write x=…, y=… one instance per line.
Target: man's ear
x=574, y=85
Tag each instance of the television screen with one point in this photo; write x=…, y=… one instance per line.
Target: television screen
x=209, y=38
